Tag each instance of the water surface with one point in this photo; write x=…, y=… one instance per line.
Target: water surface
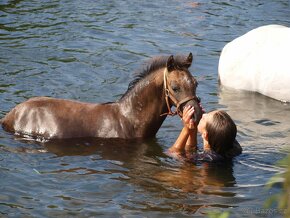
x=88, y=51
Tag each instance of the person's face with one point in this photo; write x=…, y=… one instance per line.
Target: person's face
x=206, y=117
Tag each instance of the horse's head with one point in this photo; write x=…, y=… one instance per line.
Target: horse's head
x=180, y=87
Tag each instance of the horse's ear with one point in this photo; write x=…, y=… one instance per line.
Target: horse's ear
x=170, y=63
x=188, y=60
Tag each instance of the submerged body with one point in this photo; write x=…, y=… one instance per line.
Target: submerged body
x=135, y=115
x=218, y=132
x=60, y=118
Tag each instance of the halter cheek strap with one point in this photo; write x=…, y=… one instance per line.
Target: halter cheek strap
x=169, y=95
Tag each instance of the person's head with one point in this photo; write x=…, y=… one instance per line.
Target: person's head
x=218, y=128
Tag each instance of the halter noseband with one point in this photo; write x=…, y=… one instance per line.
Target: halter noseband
x=169, y=95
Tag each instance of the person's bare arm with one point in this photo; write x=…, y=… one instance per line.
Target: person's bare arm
x=191, y=143
x=178, y=146
x=186, y=132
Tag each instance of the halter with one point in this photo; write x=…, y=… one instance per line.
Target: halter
x=169, y=95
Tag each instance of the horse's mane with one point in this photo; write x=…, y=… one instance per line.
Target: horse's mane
x=151, y=66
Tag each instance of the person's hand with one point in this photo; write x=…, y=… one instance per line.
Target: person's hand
x=187, y=120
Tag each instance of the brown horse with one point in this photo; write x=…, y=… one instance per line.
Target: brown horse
x=139, y=113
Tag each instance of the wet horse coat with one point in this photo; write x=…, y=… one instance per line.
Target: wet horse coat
x=163, y=83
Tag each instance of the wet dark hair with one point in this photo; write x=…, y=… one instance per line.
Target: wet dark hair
x=222, y=132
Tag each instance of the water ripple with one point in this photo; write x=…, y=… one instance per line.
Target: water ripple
x=88, y=50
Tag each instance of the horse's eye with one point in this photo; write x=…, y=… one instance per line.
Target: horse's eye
x=175, y=88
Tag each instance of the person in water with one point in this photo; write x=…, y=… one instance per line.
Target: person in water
x=218, y=132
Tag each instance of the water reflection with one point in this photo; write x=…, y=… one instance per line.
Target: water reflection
x=169, y=185
x=207, y=178
x=263, y=132
x=258, y=117
x=187, y=187
x=86, y=50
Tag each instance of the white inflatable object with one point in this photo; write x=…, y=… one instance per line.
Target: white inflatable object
x=258, y=61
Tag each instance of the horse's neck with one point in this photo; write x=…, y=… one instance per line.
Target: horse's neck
x=145, y=103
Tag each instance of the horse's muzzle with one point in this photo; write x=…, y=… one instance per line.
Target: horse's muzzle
x=197, y=109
